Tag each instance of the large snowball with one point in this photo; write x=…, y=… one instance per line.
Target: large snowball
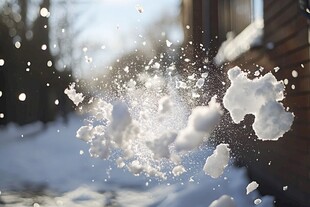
x=259, y=97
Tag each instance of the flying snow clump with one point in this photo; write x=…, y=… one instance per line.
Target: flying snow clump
x=168, y=43
x=85, y=133
x=251, y=187
x=260, y=97
x=77, y=98
x=201, y=124
x=178, y=170
x=218, y=161
x=200, y=82
x=150, y=129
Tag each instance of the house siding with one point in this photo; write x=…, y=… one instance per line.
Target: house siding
x=285, y=162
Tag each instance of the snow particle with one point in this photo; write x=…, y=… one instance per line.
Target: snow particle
x=204, y=75
x=44, y=12
x=139, y=8
x=200, y=82
x=178, y=170
x=22, y=97
x=77, y=98
x=81, y=152
x=120, y=163
x=49, y=63
x=302, y=65
x=156, y=65
x=44, y=47
x=294, y=74
x=1, y=62
x=56, y=102
x=257, y=73
x=188, y=27
x=168, y=43
x=285, y=188
x=88, y=59
x=257, y=201
x=293, y=87
x=276, y=69
x=251, y=187
x=0, y=93
x=17, y=44
x=192, y=77
x=285, y=81
x=126, y=69
x=1, y=115
x=36, y=205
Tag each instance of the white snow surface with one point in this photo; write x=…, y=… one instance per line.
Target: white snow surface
x=51, y=158
x=223, y=201
x=260, y=97
x=218, y=161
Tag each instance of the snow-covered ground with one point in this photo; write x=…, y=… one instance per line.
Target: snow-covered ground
x=50, y=167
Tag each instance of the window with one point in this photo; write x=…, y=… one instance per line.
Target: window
x=240, y=27
x=236, y=15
